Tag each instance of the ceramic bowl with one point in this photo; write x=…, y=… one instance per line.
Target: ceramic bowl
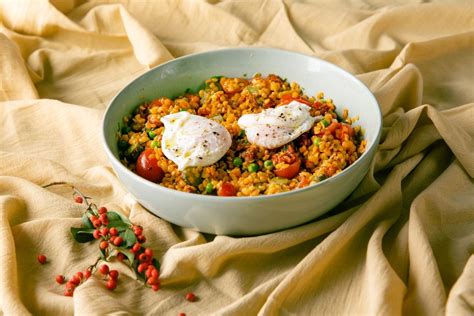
x=245, y=215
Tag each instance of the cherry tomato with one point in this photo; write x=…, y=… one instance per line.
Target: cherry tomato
x=290, y=171
x=147, y=166
x=332, y=128
x=227, y=189
x=287, y=98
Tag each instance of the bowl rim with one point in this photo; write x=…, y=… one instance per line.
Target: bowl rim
x=213, y=198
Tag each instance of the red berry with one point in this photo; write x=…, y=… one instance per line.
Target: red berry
x=87, y=274
x=70, y=285
x=182, y=314
x=104, y=231
x=60, y=279
x=120, y=256
x=148, y=252
x=104, y=269
x=75, y=280
x=102, y=210
x=148, y=273
x=103, y=217
x=136, y=247
x=137, y=230
x=153, y=281
x=79, y=275
x=191, y=297
x=142, y=267
x=103, y=244
x=97, y=223
x=114, y=274
x=113, y=231
x=96, y=234
x=78, y=199
x=112, y=239
x=155, y=287
x=143, y=258
x=93, y=218
x=111, y=284
x=118, y=241
x=68, y=292
x=155, y=273
x=141, y=239
x=42, y=259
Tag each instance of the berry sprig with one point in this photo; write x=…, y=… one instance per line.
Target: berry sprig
x=118, y=239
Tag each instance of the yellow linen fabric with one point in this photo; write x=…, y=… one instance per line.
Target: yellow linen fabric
x=402, y=243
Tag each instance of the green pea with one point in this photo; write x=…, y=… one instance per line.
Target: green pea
x=125, y=129
x=316, y=141
x=155, y=144
x=268, y=164
x=237, y=161
x=151, y=134
x=325, y=123
x=209, y=188
x=253, y=167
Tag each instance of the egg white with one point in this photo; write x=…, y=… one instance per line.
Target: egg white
x=278, y=126
x=192, y=140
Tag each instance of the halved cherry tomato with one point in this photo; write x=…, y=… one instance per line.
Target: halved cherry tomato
x=332, y=128
x=287, y=98
x=290, y=171
x=147, y=166
x=227, y=189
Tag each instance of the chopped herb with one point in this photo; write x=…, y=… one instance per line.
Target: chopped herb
x=125, y=129
x=316, y=141
x=155, y=144
x=122, y=145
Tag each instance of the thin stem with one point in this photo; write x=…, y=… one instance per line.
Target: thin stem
x=76, y=191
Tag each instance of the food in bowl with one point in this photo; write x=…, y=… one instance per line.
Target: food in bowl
x=239, y=137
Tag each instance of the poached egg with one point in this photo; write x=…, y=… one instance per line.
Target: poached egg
x=278, y=126
x=193, y=141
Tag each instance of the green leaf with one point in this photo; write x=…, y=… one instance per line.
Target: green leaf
x=129, y=254
x=81, y=234
x=118, y=221
x=156, y=263
x=102, y=254
x=122, y=217
x=86, y=221
x=129, y=238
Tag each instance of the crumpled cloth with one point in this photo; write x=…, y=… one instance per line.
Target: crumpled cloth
x=402, y=243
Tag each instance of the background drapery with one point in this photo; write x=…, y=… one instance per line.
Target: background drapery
x=402, y=243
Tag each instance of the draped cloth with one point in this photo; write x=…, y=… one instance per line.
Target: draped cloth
x=402, y=243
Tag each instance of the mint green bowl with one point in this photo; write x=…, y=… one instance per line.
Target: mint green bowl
x=245, y=215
